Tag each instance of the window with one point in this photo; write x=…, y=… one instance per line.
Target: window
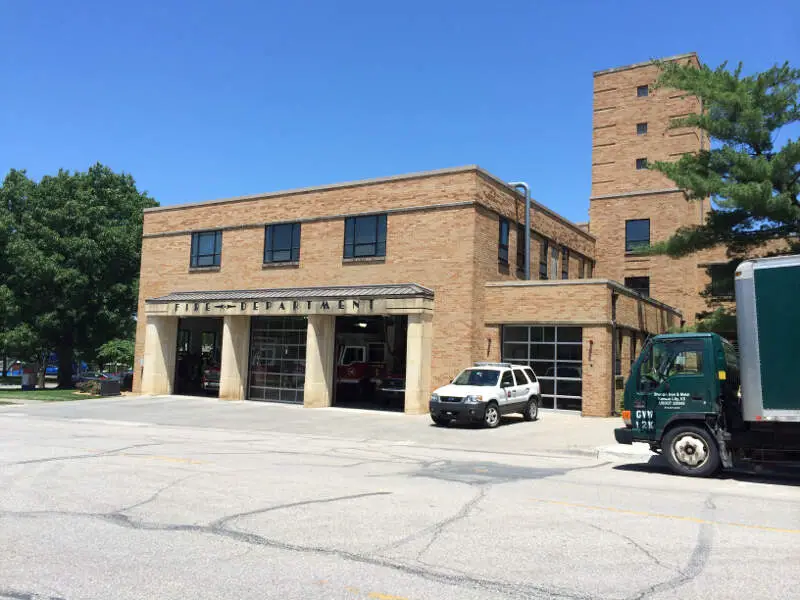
x=581, y=268
x=554, y=262
x=641, y=129
x=564, y=263
x=521, y=247
x=282, y=243
x=642, y=91
x=637, y=234
x=352, y=354
x=206, y=249
x=722, y=279
x=520, y=377
x=641, y=163
x=668, y=359
x=618, y=354
x=590, y=266
x=365, y=236
x=507, y=380
x=184, y=341
x=640, y=285
x=543, y=260
x=502, y=244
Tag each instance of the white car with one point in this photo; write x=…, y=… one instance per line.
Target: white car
x=484, y=392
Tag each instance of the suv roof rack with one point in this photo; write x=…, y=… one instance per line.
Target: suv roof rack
x=493, y=364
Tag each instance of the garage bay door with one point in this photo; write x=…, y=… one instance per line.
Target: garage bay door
x=555, y=354
x=277, y=358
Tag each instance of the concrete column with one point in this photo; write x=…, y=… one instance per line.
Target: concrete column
x=418, y=363
x=235, y=358
x=160, y=349
x=320, y=346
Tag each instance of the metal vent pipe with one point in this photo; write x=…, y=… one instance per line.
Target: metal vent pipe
x=524, y=186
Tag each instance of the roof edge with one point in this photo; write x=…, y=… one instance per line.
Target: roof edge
x=646, y=63
x=319, y=188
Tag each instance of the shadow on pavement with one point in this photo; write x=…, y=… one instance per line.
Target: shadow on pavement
x=505, y=421
x=773, y=476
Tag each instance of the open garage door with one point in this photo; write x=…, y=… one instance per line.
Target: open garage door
x=370, y=357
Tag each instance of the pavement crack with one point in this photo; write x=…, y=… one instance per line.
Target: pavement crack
x=695, y=565
x=635, y=544
x=221, y=522
x=82, y=456
x=18, y=595
x=153, y=497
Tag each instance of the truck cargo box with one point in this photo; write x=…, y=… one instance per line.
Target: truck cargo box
x=768, y=323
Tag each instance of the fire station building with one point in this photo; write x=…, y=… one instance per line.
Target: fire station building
x=321, y=296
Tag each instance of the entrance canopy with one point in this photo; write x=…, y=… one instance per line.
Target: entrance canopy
x=406, y=298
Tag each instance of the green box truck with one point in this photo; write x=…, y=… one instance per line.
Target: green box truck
x=703, y=407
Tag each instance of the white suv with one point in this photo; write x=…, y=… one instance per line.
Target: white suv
x=485, y=392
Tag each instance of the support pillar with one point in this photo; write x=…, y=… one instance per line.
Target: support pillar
x=320, y=342
x=234, y=363
x=418, y=363
x=160, y=349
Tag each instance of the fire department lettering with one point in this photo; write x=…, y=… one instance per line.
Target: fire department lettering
x=282, y=307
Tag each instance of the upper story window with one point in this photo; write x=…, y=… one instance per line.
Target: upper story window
x=365, y=236
x=641, y=129
x=520, y=247
x=641, y=163
x=641, y=285
x=590, y=267
x=282, y=243
x=543, y=260
x=554, y=254
x=642, y=91
x=581, y=267
x=206, y=249
x=564, y=263
x=637, y=234
x=502, y=244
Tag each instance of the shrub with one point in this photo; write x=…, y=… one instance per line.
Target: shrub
x=89, y=387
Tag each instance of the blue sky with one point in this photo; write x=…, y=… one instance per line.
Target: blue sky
x=201, y=100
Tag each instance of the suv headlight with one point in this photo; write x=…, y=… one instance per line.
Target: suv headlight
x=473, y=399
x=434, y=397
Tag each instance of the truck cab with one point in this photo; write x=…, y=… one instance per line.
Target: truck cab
x=681, y=397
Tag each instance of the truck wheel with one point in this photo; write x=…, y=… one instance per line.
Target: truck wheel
x=531, y=412
x=691, y=451
x=440, y=421
x=491, y=416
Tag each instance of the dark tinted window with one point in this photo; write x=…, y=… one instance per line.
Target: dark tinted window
x=520, y=377
x=641, y=163
x=507, y=379
x=520, y=247
x=564, y=263
x=640, y=285
x=530, y=373
x=502, y=244
x=722, y=281
x=543, y=260
x=282, y=243
x=365, y=236
x=641, y=129
x=637, y=234
x=642, y=91
x=206, y=249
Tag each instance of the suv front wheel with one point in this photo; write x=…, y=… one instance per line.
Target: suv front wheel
x=491, y=416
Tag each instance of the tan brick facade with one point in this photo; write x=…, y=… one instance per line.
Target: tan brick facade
x=621, y=192
x=442, y=233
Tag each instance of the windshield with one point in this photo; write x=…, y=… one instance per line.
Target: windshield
x=481, y=377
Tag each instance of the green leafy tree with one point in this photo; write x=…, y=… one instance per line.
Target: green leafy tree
x=70, y=260
x=753, y=184
x=117, y=351
x=750, y=177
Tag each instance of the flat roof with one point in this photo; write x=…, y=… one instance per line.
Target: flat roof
x=373, y=181
x=646, y=63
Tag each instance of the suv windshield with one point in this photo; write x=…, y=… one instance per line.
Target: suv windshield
x=484, y=377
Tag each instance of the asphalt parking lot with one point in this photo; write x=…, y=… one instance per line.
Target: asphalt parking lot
x=177, y=498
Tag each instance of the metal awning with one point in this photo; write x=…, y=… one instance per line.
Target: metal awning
x=385, y=291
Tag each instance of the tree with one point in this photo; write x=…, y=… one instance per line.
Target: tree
x=754, y=186
x=70, y=258
x=117, y=351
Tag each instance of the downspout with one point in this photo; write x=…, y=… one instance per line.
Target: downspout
x=614, y=350
x=522, y=185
